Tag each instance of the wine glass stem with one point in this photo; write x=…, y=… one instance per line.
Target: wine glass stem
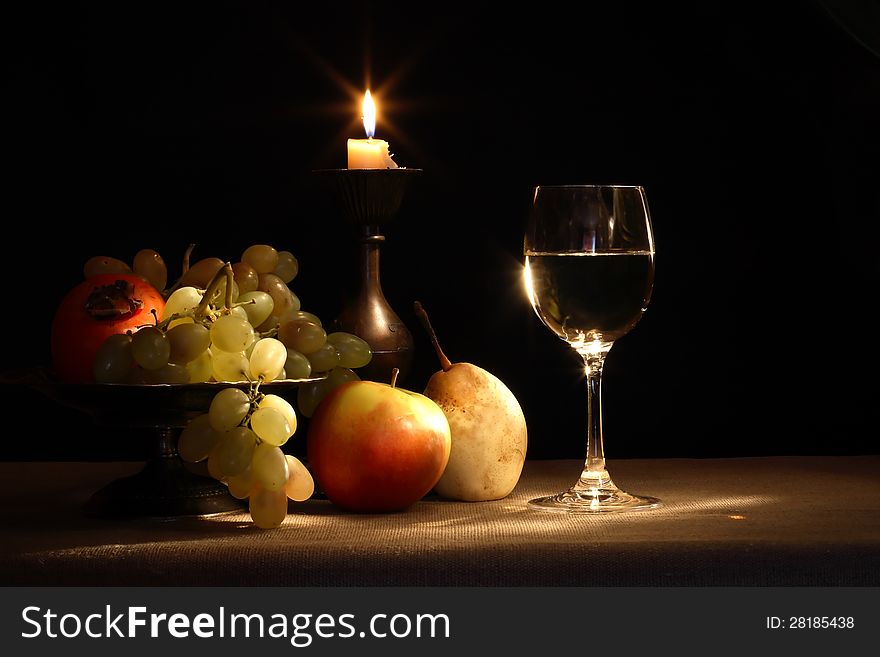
x=594, y=476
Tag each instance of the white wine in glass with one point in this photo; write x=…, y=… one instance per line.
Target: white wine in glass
x=589, y=272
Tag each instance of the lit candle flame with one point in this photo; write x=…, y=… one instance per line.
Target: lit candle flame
x=368, y=107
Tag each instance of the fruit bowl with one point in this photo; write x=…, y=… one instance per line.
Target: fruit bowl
x=166, y=487
x=149, y=406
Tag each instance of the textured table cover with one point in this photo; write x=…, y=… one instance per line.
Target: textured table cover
x=779, y=521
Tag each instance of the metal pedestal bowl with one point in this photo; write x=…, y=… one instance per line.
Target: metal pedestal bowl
x=166, y=487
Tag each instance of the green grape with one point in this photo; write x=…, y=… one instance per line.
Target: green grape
x=241, y=313
x=200, y=469
x=271, y=323
x=137, y=376
x=227, y=366
x=301, y=314
x=188, y=342
x=149, y=264
x=113, y=361
x=295, y=303
x=267, y=359
x=180, y=321
x=287, y=267
x=353, y=351
x=241, y=485
x=214, y=459
x=261, y=257
x=197, y=439
x=150, y=348
x=338, y=376
x=246, y=277
x=297, y=365
x=271, y=426
x=269, y=467
x=228, y=408
x=201, y=369
x=231, y=333
x=201, y=273
x=104, y=265
x=280, y=404
x=324, y=359
x=310, y=395
x=236, y=451
x=300, y=485
x=183, y=300
x=302, y=335
x=258, y=306
x=268, y=508
x=169, y=373
x=285, y=301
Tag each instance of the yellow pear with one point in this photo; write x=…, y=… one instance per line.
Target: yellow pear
x=487, y=425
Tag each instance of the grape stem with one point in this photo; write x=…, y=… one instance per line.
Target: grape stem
x=226, y=273
x=186, y=256
x=230, y=279
x=163, y=325
x=254, y=396
x=155, y=320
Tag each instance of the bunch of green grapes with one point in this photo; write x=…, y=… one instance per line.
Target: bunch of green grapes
x=241, y=437
x=237, y=323
x=228, y=322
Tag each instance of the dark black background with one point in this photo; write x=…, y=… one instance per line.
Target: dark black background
x=753, y=128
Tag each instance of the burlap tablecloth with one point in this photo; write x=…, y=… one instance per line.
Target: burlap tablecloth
x=779, y=521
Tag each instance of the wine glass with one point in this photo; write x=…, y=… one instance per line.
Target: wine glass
x=589, y=272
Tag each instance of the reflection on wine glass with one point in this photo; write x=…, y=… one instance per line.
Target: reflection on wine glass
x=589, y=271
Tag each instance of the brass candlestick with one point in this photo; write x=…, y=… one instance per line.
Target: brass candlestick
x=369, y=200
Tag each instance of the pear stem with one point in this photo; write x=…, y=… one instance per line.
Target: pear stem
x=445, y=363
x=394, y=374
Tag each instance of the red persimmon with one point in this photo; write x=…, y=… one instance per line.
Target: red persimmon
x=100, y=306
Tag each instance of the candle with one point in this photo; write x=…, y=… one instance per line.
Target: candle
x=369, y=153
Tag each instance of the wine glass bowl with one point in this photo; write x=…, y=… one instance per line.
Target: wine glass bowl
x=589, y=273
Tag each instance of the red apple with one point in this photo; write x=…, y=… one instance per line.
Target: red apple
x=376, y=448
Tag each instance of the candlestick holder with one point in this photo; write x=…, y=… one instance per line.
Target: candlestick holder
x=370, y=200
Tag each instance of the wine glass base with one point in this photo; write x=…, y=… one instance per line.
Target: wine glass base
x=594, y=501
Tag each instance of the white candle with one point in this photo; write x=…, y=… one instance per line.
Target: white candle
x=369, y=153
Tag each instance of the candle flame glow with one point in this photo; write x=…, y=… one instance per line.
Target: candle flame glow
x=368, y=107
